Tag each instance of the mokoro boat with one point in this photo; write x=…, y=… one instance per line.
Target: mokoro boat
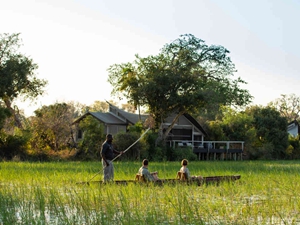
x=205, y=180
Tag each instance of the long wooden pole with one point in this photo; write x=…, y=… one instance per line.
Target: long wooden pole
x=121, y=154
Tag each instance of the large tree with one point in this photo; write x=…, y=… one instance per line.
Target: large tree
x=262, y=129
x=234, y=124
x=51, y=126
x=17, y=75
x=271, y=128
x=186, y=76
x=288, y=106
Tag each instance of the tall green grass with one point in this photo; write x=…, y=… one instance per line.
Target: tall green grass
x=49, y=193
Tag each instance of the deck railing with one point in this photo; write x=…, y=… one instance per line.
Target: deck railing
x=212, y=149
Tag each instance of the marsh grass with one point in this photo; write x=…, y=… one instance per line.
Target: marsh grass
x=49, y=193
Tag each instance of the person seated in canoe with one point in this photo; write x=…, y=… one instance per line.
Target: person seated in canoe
x=148, y=176
x=186, y=171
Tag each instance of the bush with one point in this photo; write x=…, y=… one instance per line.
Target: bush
x=183, y=153
x=263, y=152
x=92, y=140
x=294, y=144
x=289, y=151
x=12, y=145
x=157, y=154
x=122, y=141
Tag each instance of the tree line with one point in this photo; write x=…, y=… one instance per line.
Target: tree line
x=186, y=76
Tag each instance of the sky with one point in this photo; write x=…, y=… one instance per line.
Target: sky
x=75, y=41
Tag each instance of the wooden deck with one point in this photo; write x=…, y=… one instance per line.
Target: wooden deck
x=212, y=150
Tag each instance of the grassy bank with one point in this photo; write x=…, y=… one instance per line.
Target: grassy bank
x=49, y=193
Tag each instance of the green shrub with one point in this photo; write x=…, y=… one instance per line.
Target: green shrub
x=122, y=141
x=263, y=152
x=183, y=153
x=294, y=143
x=157, y=154
x=93, y=138
x=12, y=145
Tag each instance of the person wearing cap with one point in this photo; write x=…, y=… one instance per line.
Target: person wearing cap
x=107, y=154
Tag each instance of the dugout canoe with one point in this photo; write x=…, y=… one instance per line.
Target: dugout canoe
x=205, y=180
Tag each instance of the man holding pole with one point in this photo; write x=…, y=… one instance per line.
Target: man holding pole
x=107, y=154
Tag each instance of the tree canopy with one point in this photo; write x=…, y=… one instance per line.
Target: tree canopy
x=186, y=76
x=288, y=106
x=271, y=128
x=263, y=130
x=52, y=126
x=17, y=74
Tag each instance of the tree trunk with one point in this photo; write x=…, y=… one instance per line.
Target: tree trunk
x=140, y=118
x=166, y=133
x=163, y=135
x=14, y=113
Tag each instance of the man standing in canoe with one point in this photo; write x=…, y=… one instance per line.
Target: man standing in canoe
x=107, y=154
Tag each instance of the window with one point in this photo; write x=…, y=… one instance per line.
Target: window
x=79, y=134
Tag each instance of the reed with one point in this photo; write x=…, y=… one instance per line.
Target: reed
x=49, y=193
